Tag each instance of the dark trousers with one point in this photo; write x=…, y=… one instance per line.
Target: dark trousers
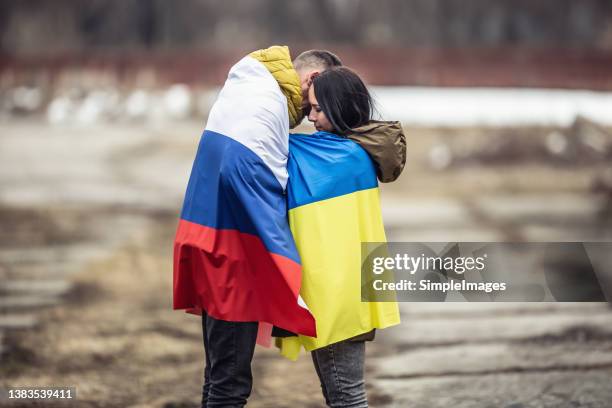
x=229, y=348
x=340, y=370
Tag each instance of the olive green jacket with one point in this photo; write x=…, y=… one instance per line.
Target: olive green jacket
x=385, y=143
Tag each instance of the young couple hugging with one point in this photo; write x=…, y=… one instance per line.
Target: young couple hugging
x=268, y=242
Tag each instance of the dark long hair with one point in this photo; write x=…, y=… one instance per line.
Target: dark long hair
x=344, y=99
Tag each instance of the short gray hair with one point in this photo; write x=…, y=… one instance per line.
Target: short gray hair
x=321, y=59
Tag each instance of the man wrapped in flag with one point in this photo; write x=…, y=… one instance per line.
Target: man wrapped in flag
x=235, y=261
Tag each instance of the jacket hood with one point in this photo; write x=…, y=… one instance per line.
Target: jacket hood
x=278, y=62
x=385, y=143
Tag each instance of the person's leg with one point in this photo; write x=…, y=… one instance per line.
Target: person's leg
x=230, y=350
x=315, y=361
x=206, y=386
x=340, y=369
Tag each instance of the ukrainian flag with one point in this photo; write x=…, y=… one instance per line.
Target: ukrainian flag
x=334, y=205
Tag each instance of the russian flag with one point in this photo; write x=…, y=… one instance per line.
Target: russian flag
x=234, y=255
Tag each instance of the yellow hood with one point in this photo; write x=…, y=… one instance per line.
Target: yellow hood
x=278, y=61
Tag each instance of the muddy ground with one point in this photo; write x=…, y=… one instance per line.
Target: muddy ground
x=88, y=218
x=116, y=338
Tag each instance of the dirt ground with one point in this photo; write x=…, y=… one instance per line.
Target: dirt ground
x=86, y=274
x=117, y=339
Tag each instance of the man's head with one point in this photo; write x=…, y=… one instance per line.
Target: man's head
x=308, y=65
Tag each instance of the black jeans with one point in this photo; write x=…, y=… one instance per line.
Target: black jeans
x=229, y=348
x=340, y=370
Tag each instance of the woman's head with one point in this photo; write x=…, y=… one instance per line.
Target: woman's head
x=339, y=101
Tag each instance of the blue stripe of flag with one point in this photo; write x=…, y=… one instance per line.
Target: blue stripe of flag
x=323, y=166
x=230, y=187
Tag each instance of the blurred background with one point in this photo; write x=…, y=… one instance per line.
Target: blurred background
x=507, y=109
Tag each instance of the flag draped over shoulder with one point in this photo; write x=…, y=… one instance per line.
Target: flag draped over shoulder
x=334, y=205
x=234, y=255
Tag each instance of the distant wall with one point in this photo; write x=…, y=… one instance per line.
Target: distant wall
x=56, y=26
x=133, y=43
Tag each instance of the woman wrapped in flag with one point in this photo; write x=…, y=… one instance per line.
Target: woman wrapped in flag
x=333, y=203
